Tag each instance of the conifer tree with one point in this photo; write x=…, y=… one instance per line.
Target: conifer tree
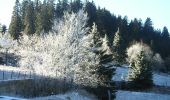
x=140, y=72
x=118, y=47
x=24, y=6
x=29, y=20
x=15, y=25
x=105, y=70
x=38, y=24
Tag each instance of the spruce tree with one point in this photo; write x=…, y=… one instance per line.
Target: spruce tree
x=38, y=24
x=4, y=28
x=16, y=24
x=29, y=20
x=118, y=47
x=24, y=6
x=140, y=71
x=105, y=69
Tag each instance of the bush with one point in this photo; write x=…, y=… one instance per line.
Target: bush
x=158, y=63
x=140, y=71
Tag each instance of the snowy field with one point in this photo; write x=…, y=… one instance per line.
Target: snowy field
x=160, y=79
x=13, y=73
x=127, y=95
x=67, y=96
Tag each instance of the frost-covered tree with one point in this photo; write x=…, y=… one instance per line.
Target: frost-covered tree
x=140, y=71
x=65, y=54
x=158, y=63
x=118, y=47
x=105, y=70
x=101, y=48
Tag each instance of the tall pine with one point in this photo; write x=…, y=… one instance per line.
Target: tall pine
x=29, y=20
x=105, y=69
x=118, y=47
x=16, y=24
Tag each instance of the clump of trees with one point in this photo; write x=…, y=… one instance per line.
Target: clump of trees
x=71, y=52
x=37, y=17
x=140, y=72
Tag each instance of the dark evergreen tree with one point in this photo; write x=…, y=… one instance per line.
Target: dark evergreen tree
x=50, y=14
x=24, y=6
x=29, y=20
x=165, y=40
x=61, y=7
x=4, y=28
x=165, y=34
x=135, y=28
x=105, y=23
x=91, y=9
x=45, y=17
x=148, y=31
x=76, y=5
x=38, y=24
x=16, y=24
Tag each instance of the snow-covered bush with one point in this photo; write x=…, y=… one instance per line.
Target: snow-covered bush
x=158, y=63
x=66, y=53
x=140, y=71
x=136, y=48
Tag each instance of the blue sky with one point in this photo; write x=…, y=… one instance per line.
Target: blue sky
x=157, y=10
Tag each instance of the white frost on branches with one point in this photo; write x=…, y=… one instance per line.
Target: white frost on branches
x=64, y=54
x=134, y=50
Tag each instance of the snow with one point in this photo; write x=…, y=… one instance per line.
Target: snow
x=8, y=73
x=67, y=96
x=120, y=74
x=160, y=79
x=127, y=95
x=10, y=98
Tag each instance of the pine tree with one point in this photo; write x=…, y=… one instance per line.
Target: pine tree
x=4, y=28
x=24, y=6
x=76, y=5
x=140, y=72
x=29, y=20
x=38, y=24
x=16, y=24
x=118, y=47
x=105, y=70
x=50, y=14
x=91, y=9
x=45, y=17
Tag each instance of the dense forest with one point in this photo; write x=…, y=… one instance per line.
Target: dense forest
x=36, y=17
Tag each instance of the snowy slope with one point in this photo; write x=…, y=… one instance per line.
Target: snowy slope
x=160, y=79
x=127, y=95
x=10, y=98
x=67, y=96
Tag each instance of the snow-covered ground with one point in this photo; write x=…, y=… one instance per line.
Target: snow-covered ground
x=68, y=96
x=10, y=98
x=160, y=79
x=127, y=95
x=13, y=73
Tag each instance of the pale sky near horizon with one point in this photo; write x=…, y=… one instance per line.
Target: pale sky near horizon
x=157, y=10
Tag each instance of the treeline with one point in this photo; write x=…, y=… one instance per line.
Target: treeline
x=36, y=17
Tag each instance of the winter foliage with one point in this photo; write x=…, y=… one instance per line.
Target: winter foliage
x=140, y=59
x=66, y=53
